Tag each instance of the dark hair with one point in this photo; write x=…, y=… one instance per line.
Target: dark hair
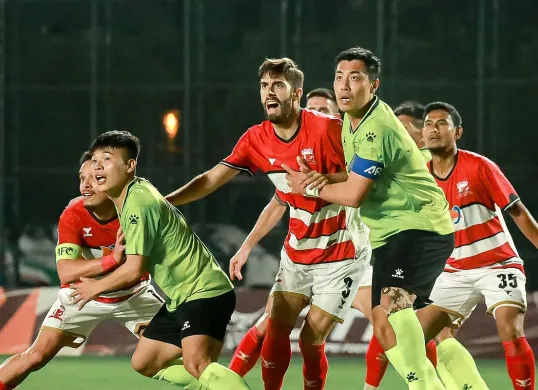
x=454, y=114
x=86, y=156
x=285, y=67
x=118, y=140
x=410, y=108
x=322, y=92
x=373, y=64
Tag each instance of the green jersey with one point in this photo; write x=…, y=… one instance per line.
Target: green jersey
x=404, y=195
x=179, y=262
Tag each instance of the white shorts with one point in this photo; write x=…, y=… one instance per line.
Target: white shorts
x=134, y=313
x=459, y=292
x=329, y=286
x=366, y=280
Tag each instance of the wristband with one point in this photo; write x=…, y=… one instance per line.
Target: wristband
x=108, y=262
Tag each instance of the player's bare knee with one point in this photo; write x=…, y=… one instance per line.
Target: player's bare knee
x=143, y=365
x=196, y=364
x=509, y=323
x=35, y=359
x=261, y=325
x=394, y=299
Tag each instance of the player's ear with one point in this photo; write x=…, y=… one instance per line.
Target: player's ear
x=131, y=165
x=374, y=86
x=298, y=94
x=459, y=132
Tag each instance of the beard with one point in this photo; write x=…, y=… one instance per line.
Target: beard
x=285, y=106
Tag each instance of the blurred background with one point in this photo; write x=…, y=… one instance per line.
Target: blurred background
x=182, y=76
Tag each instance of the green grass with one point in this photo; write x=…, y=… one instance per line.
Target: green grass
x=115, y=373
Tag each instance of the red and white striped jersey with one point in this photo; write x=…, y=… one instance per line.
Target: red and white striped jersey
x=317, y=229
x=477, y=191
x=82, y=236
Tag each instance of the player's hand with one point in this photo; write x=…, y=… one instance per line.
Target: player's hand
x=294, y=179
x=237, y=262
x=312, y=179
x=84, y=291
x=119, y=247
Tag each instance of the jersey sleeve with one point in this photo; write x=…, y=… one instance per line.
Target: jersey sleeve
x=371, y=151
x=334, y=138
x=498, y=186
x=69, y=245
x=240, y=157
x=140, y=220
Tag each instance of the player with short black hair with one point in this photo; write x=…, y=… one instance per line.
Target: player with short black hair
x=410, y=228
x=89, y=245
x=191, y=326
x=411, y=114
x=484, y=265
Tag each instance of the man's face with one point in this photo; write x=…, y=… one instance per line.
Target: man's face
x=439, y=131
x=322, y=104
x=413, y=128
x=112, y=169
x=352, y=86
x=277, y=97
x=88, y=187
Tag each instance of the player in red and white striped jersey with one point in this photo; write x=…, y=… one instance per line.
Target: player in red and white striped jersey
x=484, y=264
x=248, y=351
x=320, y=264
x=89, y=245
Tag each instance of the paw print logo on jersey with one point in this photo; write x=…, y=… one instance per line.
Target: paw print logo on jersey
x=411, y=377
x=133, y=219
x=467, y=386
x=370, y=137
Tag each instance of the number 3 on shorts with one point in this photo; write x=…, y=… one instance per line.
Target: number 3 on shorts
x=507, y=280
x=347, y=290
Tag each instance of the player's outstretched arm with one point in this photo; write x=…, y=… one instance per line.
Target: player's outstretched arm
x=123, y=277
x=202, y=185
x=72, y=269
x=524, y=221
x=269, y=217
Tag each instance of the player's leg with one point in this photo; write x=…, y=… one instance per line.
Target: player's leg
x=405, y=270
x=64, y=326
x=194, y=331
x=333, y=291
x=454, y=298
x=48, y=343
x=291, y=295
x=505, y=295
x=249, y=349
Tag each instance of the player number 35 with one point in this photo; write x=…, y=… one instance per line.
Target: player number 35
x=507, y=280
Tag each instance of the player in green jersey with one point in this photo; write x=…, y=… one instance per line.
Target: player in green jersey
x=201, y=298
x=410, y=226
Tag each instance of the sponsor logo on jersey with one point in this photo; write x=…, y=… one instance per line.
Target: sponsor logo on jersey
x=272, y=160
x=308, y=155
x=456, y=214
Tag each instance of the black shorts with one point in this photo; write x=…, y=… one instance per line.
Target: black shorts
x=206, y=316
x=412, y=260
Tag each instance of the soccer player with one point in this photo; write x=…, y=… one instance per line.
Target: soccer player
x=410, y=228
x=249, y=349
x=484, y=265
x=320, y=263
x=192, y=324
x=88, y=245
x=411, y=114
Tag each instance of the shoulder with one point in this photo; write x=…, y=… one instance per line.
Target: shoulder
x=74, y=209
x=320, y=121
x=141, y=194
x=474, y=160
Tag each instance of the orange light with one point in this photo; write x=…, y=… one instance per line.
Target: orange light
x=171, y=123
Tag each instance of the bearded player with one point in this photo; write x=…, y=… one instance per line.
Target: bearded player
x=320, y=264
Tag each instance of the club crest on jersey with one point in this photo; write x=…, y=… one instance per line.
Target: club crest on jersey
x=456, y=214
x=463, y=188
x=308, y=155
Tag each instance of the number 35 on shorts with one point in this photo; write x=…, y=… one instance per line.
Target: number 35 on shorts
x=507, y=280
x=348, y=282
